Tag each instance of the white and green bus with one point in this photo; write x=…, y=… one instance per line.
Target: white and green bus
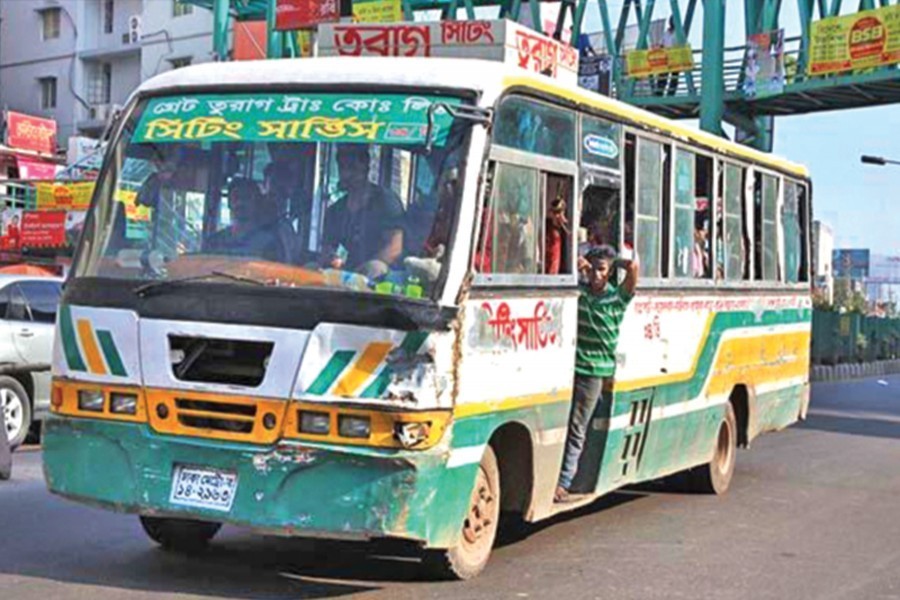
x=328, y=308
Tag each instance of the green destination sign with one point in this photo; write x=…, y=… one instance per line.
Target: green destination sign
x=361, y=118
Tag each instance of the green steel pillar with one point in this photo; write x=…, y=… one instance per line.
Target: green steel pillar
x=220, y=29
x=274, y=42
x=712, y=94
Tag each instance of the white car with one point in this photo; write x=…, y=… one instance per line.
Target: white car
x=27, y=316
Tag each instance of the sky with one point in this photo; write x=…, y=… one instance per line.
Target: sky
x=860, y=202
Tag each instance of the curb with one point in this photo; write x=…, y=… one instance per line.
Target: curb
x=853, y=370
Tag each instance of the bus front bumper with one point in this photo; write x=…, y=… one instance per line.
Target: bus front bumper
x=297, y=489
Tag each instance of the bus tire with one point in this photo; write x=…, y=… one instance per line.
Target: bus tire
x=470, y=555
x=715, y=476
x=180, y=535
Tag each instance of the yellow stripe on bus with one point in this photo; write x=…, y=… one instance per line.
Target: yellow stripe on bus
x=363, y=368
x=530, y=401
x=89, y=344
x=760, y=359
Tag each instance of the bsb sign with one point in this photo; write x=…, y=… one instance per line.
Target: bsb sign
x=867, y=39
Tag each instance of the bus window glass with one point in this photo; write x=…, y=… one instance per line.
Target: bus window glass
x=515, y=221
x=282, y=189
x=688, y=256
x=649, y=198
x=793, y=232
x=535, y=127
x=557, y=217
x=733, y=222
x=765, y=238
x=600, y=142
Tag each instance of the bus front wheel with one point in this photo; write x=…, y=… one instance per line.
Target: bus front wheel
x=469, y=556
x=180, y=535
x=715, y=476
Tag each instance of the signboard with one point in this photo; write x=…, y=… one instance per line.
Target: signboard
x=644, y=63
x=35, y=169
x=43, y=229
x=360, y=118
x=499, y=40
x=26, y=132
x=64, y=196
x=595, y=72
x=869, y=38
x=305, y=14
x=377, y=11
x=764, y=65
x=851, y=263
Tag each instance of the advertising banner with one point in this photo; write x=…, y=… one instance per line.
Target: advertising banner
x=377, y=11
x=764, y=65
x=851, y=263
x=11, y=229
x=867, y=39
x=644, y=63
x=64, y=196
x=305, y=14
x=26, y=132
x=44, y=229
x=362, y=118
x=35, y=169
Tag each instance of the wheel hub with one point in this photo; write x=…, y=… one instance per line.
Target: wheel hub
x=13, y=412
x=478, y=521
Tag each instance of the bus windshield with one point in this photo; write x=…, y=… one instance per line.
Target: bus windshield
x=354, y=191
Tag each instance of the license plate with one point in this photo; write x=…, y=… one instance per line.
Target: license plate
x=203, y=488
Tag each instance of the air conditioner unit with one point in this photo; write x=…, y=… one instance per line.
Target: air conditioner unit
x=100, y=112
x=134, y=29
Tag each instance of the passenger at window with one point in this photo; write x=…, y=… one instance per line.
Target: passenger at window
x=557, y=233
x=253, y=225
x=700, y=254
x=601, y=308
x=368, y=219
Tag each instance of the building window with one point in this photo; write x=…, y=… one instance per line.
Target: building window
x=48, y=92
x=177, y=63
x=100, y=90
x=181, y=8
x=50, y=23
x=108, y=16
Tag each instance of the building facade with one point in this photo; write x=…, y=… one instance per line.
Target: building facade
x=76, y=60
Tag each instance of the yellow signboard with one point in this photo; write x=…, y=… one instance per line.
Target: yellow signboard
x=76, y=196
x=870, y=38
x=644, y=63
x=377, y=11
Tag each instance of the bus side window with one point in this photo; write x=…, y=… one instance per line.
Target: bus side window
x=765, y=201
x=731, y=232
x=557, y=224
x=793, y=223
x=512, y=225
x=689, y=248
x=649, y=224
x=536, y=127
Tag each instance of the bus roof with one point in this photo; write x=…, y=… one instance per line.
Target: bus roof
x=488, y=78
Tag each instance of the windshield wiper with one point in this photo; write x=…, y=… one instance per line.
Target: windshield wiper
x=142, y=290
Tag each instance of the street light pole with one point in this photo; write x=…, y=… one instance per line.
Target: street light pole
x=878, y=160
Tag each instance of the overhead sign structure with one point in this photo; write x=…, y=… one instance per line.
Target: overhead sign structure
x=500, y=40
x=26, y=132
x=645, y=63
x=867, y=39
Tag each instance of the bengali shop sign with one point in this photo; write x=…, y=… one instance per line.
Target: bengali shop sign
x=377, y=11
x=64, y=196
x=645, y=63
x=867, y=39
x=26, y=132
x=305, y=14
x=359, y=118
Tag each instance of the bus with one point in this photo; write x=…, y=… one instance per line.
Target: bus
x=321, y=305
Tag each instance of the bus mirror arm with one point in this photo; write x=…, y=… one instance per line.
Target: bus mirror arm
x=473, y=114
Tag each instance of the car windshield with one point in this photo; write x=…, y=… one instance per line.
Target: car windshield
x=353, y=191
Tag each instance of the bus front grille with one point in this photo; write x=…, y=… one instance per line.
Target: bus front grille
x=215, y=415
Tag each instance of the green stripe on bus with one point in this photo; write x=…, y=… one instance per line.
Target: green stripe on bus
x=410, y=345
x=338, y=362
x=70, y=343
x=111, y=353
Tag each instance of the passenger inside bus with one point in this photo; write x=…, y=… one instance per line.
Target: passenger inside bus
x=254, y=225
x=368, y=220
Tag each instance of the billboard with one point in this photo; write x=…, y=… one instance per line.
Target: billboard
x=867, y=39
x=851, y=263
x=26, y=132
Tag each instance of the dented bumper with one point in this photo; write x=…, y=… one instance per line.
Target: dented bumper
x=302, y=489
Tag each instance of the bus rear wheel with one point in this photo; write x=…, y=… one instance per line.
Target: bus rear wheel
x=715, y=476
x=470, y=555
x=180, y=535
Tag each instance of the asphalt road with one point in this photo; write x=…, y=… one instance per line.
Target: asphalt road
x=813, y=512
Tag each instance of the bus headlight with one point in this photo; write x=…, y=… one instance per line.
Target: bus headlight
x=354, y=427
x=317, y=423
x=411, y=435
x=90, y=400
x=123, y=404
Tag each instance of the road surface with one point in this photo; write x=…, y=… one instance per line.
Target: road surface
x=813, y=512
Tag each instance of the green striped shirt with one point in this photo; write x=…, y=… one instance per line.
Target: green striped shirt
x=599, y=317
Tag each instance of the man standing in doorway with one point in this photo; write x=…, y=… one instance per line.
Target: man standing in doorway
x=601, y=308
